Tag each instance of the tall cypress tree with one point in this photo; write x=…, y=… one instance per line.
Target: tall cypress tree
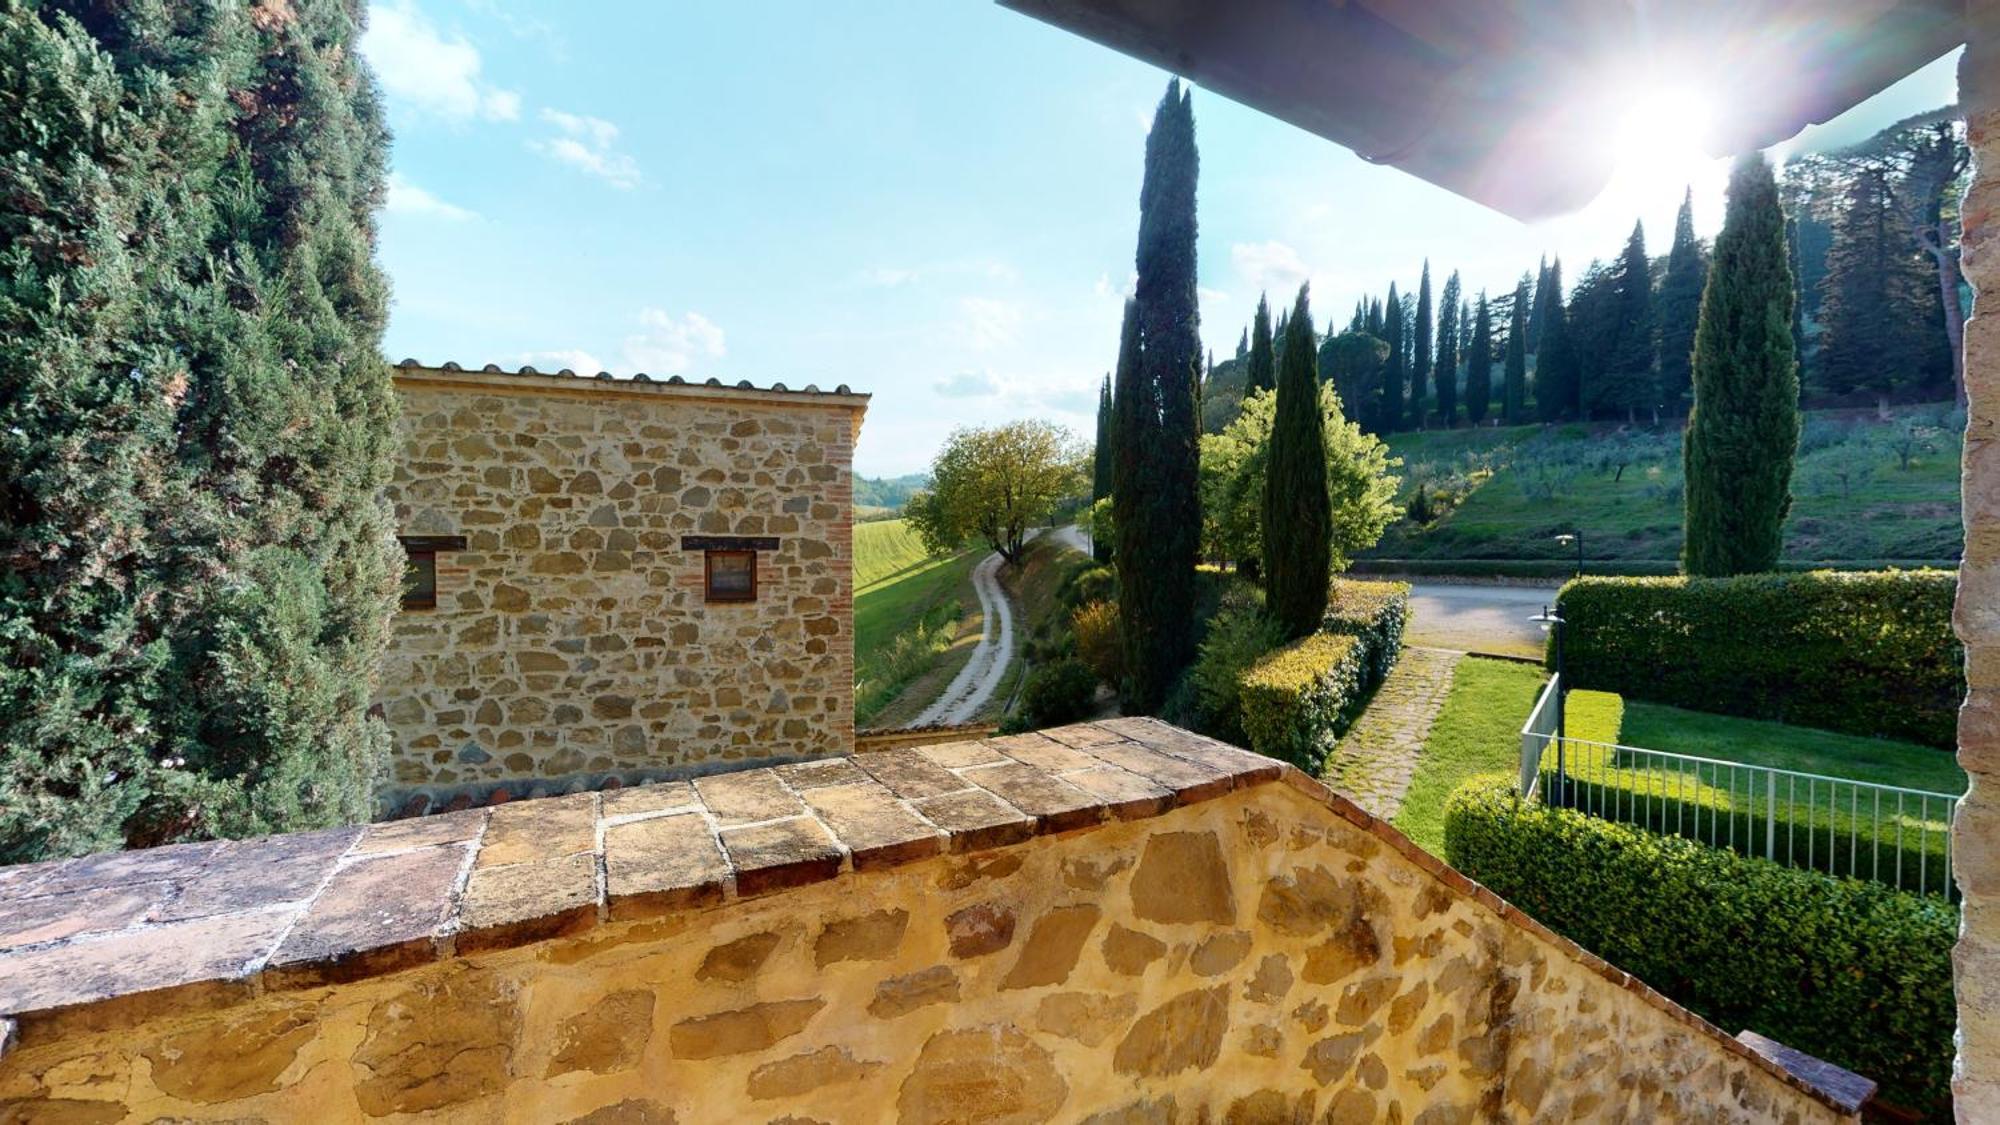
x=1103, y=461
x=1558, y=374
x=1263, y=372
x=1514, y=380
x=1479, y=365
x=1374, y=325
x=1155, y=498
x=1446, y=375
x=1680, y=306
x=1628, y=373
x=1420, y=352
x=1298, y=516
x=1743, y=432
x=1396, y=376
x=1538, y=312
x=195, y=424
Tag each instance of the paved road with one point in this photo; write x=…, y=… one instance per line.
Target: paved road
x=1478, y=617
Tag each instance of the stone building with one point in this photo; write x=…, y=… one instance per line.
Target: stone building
x=616, y=577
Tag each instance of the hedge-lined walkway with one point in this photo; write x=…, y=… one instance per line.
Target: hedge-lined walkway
x=1373, y=764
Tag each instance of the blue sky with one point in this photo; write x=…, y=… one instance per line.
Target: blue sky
x=932, y=200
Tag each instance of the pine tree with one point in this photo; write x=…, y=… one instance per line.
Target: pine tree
x=1479, y=365
x=1877, y=303
x=195, y=424
x=1298, y=516
x=1680, y=306
x=1558, y=370
x=1514, y=382
x=1743, y=432
x=1263, y=372
x=1446, y=376
x=1157, y=506
x=1420, y=353
x=1396, y=378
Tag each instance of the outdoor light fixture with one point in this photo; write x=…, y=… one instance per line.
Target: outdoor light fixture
x=1552, y=623
x=1568, y=537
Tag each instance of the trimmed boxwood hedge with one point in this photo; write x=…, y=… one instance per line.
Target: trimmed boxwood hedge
x=1851, y=971
x=1300, y=698
x=1868, y=653
x=1566, y=567
x=1376, y=612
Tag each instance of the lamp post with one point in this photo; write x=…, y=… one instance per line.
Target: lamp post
x=1574, y=536
x=1552, y=622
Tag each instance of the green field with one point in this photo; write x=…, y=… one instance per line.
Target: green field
x=907, y=610
x=1508, y=491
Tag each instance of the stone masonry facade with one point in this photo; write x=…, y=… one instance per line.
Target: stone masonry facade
x=572, y=641
x=1109, y=922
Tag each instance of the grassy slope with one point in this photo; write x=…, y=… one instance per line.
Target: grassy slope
x=898, y=587
x=1892, y=514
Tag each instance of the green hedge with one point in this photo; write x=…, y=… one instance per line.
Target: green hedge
x=1300, y=698
x=1851, y=971
x=1868, y=653
x=1377, y=613
x=1564, y=568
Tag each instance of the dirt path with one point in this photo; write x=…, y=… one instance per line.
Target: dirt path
x=983, y=674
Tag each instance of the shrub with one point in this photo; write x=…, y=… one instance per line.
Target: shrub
x=1091, y=584
x=1098, y=642
x=1058, y=692
x=1866, y=653
x=1300, y=698
x=1375, y=612
x=1239, y=635
x=1853, y=972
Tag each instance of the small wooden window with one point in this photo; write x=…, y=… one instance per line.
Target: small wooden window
x=420, y=575
x=731, y=576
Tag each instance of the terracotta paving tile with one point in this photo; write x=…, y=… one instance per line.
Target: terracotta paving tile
x=86, y=911
x=1042, y=753
x=1192, y=781
x=747, y=797
x=652, y=797
x=1244, y=766
x=1083, y=734
x=662, y=863
x=825, y=771
x=173, y=861
x=523, y=902
x=780, y=854
x=225, y=947
x=1055, y=805
x=248, y=874
x=1127, y=795
x=909, y=774
x=879, y=830
x=378, y=914
x=957, y=755
x=974, y=820
x=421, y=831
x=540, y=829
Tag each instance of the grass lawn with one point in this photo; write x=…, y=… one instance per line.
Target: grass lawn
x=1478, y=731
x=907, y=610
x=885, y=549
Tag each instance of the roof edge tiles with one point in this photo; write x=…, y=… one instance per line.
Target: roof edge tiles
x=566, y=380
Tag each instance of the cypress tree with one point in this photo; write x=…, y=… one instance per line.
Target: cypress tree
x=1243, y=344
x=1263, y=373
x=1680, y=306
x=1514, y=377
x=1479, y=365
x=195, y=424
x=1298, y=515
x=1558, y=372
x=1396, y=377
x=1374, y=325
x=1155, y=497
x=1743, y=432
x=1538, y=313
x=1447, y=354
x=1420, y=352
x=1103, y=461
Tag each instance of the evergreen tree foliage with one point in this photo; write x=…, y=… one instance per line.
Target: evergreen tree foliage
x=1355, y=362
x=1420, y=353
x=1298, y=517
x=1627, y=385
x=1157, y=505
x=1395, y=379
x=1558, y=368
x=1743, y=433
x=195, y=424
x=1374, y=325
x=1680, y=306
x=1514, y=380
x=1538, y=315
x=1446, y=375
x=1263, y=374
x=1479, y=365
x=1243, y=345
x=1876, y=304
x=1102, y=463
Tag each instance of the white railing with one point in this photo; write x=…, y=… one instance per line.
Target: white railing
x=1885, y=833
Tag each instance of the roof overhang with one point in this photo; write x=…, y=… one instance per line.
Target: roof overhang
x=1509, y=102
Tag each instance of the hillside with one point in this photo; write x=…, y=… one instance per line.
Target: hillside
x=909, y=608
x=1866, y=490
x=888, y=493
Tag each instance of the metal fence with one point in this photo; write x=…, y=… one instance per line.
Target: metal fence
x=1885, y=833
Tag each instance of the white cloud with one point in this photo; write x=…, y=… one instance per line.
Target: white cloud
x=575, y=359
x=406, y=198
x=589, y=145
x=668, y=345
x=1272, y=267
x=1207, y=294
x=967, y=384
x=435, y=73
x=990, y=323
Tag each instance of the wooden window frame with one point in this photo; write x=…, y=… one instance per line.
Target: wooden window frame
x=738, y=597
x=423, y=550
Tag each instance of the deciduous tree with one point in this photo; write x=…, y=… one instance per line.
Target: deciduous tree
x=995, y=483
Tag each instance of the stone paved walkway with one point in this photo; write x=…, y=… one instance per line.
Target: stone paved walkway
x=1373, y=763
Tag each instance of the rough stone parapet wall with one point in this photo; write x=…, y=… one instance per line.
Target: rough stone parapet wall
x=571, y=637
x=1117, y=921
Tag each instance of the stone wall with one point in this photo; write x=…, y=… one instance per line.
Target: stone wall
x=571, y=636
x=1115, y=922
x=1976, y=835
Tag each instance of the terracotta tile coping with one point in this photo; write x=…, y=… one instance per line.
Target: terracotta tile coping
x=107, y=940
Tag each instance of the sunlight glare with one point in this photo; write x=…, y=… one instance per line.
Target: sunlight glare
x=1663, y=133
